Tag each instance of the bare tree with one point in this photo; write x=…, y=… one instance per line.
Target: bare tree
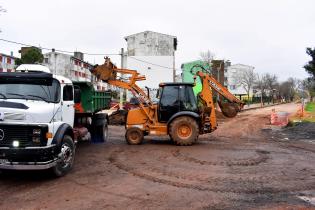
x=261, y=85
x=271, y=82
x=207, y=56
x=2, y=9
x=246, y=79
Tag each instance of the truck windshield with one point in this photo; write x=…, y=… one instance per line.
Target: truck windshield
x=48, y=93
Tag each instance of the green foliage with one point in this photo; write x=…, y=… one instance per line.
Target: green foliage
x=32, y=56
x=310, y=66
x=310, y=107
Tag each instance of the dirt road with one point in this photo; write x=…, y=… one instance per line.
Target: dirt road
x=237, y=167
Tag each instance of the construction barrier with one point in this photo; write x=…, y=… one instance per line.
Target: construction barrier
x=279, y=118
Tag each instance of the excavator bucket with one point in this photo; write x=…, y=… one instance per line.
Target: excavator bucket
x=105, y=71
x=229, y=109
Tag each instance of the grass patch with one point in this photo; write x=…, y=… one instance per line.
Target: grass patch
x=308, y=116
x=310, y=107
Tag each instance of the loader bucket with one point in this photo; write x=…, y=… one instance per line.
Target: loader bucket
x=229, y=109
x=105, y=71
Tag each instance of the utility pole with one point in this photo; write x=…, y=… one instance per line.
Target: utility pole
x=121, y=92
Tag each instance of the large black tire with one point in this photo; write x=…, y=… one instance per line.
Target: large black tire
x=134, y=136
x=184, y=131
x=65, y=157
x=99, y=128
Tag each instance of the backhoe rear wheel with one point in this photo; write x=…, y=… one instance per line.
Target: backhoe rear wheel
x=184, y=131
x=134, y=136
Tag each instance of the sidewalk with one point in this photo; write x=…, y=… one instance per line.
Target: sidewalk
x=258, y=105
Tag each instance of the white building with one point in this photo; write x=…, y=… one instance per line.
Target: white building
x=152, y=54
x=231, y=74
x=7, y=63
x=72, y=67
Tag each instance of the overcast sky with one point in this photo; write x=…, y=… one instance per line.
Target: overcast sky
x=270, y=35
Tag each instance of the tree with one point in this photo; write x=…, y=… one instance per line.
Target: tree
x=207, y=56
x=310, y=66
x=271, y=81
x=32, y=56
x=246, y=79
x=261, y=85
x=309, y=85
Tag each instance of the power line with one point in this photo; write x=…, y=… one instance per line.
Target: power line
x=95, y=54
x=57, y=50
x=154, y=64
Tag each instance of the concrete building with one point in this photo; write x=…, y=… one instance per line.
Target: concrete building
x=152, y=54
x=216, y=68
x=7, y=62
x=73, y=67
x=231, y=74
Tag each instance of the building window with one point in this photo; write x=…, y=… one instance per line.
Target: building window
x=76, y=73
x=46, y=60
x=0, y=58
x=9, y=60
x=9, y=70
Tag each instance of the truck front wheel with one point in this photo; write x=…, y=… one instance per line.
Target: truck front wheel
x=65, y=157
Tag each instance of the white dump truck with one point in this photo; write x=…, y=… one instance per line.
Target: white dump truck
x=42, y=116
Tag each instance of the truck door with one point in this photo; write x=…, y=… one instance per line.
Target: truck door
x=68, y=105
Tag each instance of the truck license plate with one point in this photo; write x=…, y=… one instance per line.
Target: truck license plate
x=3, y=161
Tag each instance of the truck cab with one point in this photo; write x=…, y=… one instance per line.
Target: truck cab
x=39, y=127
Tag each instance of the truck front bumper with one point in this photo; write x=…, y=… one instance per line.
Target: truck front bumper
x=28, y=158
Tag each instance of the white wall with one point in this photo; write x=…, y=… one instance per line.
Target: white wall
x=231, y=73
x=150, y=43
x=154, y=74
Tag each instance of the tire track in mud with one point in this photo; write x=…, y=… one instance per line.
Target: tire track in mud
x=251, y=185
x=262, y=157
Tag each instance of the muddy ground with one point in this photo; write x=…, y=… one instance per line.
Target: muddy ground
x=239, y=166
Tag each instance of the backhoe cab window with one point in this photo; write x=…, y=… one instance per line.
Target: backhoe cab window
x=170, y=96
x=187, y=99
x=179, y=96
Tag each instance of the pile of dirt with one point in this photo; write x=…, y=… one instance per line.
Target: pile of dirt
x=298, y=131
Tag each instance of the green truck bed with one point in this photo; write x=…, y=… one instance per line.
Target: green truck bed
x=92, y=100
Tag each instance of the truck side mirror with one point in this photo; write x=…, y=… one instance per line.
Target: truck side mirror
x=77, y=95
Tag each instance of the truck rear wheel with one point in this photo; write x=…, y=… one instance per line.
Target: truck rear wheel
x=99, y=128
x=184, y=131
x=65, y=157
x=134, y=136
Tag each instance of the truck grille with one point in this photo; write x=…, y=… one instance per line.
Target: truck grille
x=21, y=133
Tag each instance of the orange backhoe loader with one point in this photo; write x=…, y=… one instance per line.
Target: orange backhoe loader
x=178, y=113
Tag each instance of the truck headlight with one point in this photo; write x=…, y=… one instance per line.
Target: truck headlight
x=37, y=132
x=16, y=143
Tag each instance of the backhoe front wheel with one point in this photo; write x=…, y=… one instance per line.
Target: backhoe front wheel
x=184, y=131
x=134, y=136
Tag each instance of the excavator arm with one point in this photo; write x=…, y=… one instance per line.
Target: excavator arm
x=230, y=108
